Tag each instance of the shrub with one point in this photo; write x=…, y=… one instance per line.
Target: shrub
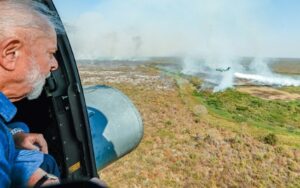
x=215, y=103
x=241, y=108
x=168, y=123
x=196, y=82
x=270, y=139
x=239, y=118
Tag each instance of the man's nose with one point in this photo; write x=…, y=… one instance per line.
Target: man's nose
x=54, y=65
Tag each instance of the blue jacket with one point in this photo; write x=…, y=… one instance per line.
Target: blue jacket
x=16, y=166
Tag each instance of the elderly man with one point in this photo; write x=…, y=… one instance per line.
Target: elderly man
x=27, y=47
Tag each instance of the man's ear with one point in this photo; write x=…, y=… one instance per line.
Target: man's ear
x=10, y=49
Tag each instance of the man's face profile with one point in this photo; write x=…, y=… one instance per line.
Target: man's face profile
x=27, y=47
x=41, y=62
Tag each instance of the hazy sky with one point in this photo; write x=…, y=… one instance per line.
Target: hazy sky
x=139, y=28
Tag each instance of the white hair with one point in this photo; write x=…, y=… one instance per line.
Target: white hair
x=26, y=14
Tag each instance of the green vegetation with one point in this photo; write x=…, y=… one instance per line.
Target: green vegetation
x=291, y=89
x=280, y=118
x=241, y=107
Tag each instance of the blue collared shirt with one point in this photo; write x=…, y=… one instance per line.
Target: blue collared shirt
x=7, y=146
x=16, y=166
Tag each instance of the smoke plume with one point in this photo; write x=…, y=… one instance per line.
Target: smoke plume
x=202, y=28
x=208, y=35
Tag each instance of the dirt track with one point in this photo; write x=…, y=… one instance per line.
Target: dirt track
x=269, y=93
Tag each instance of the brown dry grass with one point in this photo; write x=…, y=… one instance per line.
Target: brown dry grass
x=185, y=146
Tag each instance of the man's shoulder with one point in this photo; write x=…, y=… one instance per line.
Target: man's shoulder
x=7, y=109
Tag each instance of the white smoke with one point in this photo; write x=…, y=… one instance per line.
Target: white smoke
x=222, y=73
x=226, y=81
x=207, y=34
x=260, y=66
x=269, y=80
x=148, y=28
x=191, y=66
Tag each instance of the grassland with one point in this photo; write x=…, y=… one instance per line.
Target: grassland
x=197, y=138
x=287, y=66
x=278, y=117
x=291, y=89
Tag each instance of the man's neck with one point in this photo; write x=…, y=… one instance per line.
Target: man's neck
x=11, y=89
